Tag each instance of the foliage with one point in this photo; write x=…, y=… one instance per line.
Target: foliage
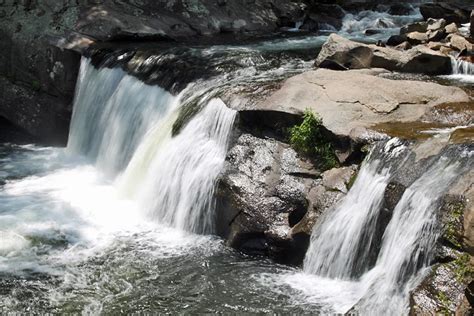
x=451, y=233
x=444, y=302
x=463, y=268
x=352, y=180
x=308, y=139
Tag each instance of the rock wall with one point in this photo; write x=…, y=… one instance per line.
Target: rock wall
x=41, y=42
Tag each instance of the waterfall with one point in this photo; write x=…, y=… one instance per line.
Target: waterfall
x=343, y=244
x=112, y=113
x=180, y=181
x=461, y=67
x=408, y=242
x=350, y=226
x=125, y=127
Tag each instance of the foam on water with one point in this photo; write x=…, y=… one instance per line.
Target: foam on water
x=337, y=279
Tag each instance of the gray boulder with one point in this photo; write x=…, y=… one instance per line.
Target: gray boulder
x=269, y=198
x=353, y=55
x=451, y=12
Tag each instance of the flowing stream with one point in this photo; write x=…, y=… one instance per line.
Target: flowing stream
x=121, y=220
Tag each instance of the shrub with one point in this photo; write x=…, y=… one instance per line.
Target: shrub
x=308, y=139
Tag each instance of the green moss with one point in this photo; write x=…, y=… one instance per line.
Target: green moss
x=463, y=269
x=308, y=139
x=453, y=225
x=36, y=85
x=444, y=302
x=352, y=180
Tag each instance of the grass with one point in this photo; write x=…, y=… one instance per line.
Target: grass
x=308, y=139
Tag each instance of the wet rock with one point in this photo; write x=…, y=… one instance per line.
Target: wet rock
x=39, y=41
x=451, y=12
x=338, y=178
x=436, y=36
x=324, y=15
x=455, y=114
x=472, y=24
x=421, y=27
x=320, y=200
x=396, y=40
x=262, y=195
x=400, y=9
x=447, y=288
x=354, y=55
x=440, y=292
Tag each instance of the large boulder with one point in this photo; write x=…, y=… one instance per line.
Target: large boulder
x=353, y=55
x=451, y=12
x=460, y=43
x=354, y=100
x=269, y=198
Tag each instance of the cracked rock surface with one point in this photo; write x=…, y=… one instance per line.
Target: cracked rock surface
x=357, y=99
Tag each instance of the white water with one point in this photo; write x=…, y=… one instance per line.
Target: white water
x=462, y=70
x=78, y=196
x=332, y=276
x=127, y=123
x=355, y=25
x=351, y=226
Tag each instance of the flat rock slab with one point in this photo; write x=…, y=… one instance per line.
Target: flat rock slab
x=352, y=99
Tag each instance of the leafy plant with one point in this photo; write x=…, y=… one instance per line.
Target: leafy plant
x=308, y=139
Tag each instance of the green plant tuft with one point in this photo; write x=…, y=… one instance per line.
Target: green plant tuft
x=308, y=139
x=36, y=85
x=463, y=269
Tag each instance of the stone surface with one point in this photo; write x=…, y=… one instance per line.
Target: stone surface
x=338, y=178
x=261, y=195
x=451, y=12
x=436, y=24
x=472, y=24
x=39, y=41
x=460, y=43
x=421, y=27
x=354, y=55
x=416, y=38
x=451, y=28
x=345, y=103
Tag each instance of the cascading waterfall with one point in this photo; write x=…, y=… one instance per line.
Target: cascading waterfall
x=408, y=243
x=462, y=67
x=351, y=226
x=342, y=245
x=180, y=181
x=124, y=124
x=112, y=113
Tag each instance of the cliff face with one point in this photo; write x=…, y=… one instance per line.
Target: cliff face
x=41, y=41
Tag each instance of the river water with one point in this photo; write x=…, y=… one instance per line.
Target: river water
x=121, y=220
